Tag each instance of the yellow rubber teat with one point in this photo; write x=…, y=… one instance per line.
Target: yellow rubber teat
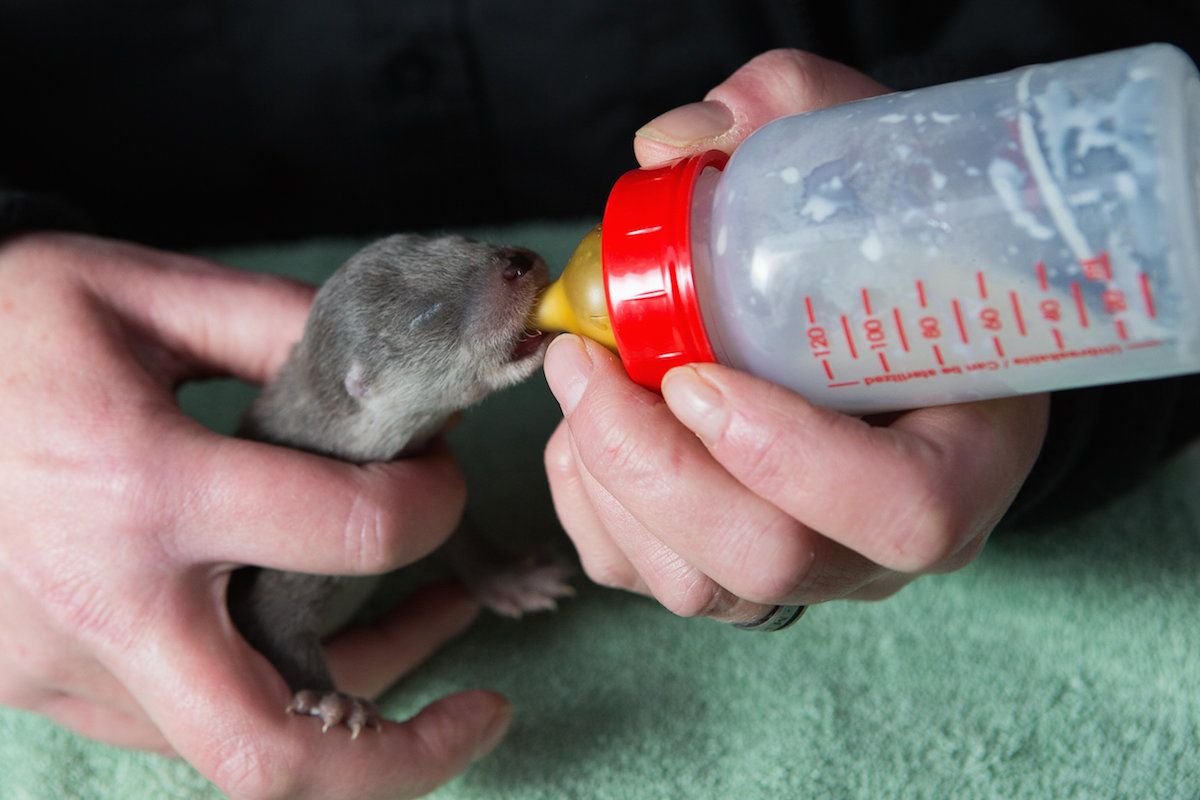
x=575, y=303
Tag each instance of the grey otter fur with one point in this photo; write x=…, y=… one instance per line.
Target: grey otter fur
x=407, y=332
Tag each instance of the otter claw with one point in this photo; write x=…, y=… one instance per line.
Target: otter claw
x=335, y=708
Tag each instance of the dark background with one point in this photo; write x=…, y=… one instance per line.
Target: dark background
x=216, y=121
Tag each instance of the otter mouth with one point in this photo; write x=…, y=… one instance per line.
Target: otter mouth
x=529, y=344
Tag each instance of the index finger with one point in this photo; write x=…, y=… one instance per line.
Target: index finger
x=248, y=502
x=215, y=318
x=907, y=496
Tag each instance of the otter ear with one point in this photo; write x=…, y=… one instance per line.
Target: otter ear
x=355, y=382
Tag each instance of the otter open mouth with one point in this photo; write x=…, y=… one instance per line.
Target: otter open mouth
x=529, y=344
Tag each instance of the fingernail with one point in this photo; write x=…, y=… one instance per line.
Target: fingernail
x=494, y=731
x=568, y=367
x=696, y=403
x=688, y=124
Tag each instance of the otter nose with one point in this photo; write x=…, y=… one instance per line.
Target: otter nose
x=519, y=262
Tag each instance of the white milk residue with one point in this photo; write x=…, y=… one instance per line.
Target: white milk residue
x=819, y=208
x=1126, y=185
x=825, y=195
x=871, y=247
x=1073, y=126
x=1008, y=181
x=1051, y=195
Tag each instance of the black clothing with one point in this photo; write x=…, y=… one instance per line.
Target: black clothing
x=202, y=121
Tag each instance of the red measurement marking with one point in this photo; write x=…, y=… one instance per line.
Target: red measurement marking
x=876, y=335
x=1058, y=340
x=900, y=328
x=937, y=353
x=1051, y=309
x=1114, y=301
x=883, y=362
x=921, y=293
x=1016, y=304
x=1121, y=332
x=1041, y=273
x=849, y=338
x=1143, y=345
x=1077, y=293
x=982, y=285
x=867, y=303
x=1147, y=295
x=958, y=317
x=999, y=347
x=843, y=383
x=1098, y=268
x=828, y=369
x=812, y=320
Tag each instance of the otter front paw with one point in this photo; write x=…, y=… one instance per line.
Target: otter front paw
x=335, y=708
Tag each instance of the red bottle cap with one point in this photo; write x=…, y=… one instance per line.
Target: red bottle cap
x=646, y=246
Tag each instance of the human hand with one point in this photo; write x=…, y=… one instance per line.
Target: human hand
x=120, y=520
x=735, y=495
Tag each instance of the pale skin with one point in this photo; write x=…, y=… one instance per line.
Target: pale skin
x=727, y=495
x=120, y=520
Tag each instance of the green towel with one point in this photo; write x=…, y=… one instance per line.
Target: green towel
x=1064, y=663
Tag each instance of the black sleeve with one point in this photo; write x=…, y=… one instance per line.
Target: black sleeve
x=1103, y=441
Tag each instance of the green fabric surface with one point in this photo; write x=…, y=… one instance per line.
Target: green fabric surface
x=1064, y=663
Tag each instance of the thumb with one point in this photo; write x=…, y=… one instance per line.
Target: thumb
x=772, y=85
x=220, y=705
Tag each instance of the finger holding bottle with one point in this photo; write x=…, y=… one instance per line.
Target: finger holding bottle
x=772, y=85
x=798, y=503
x=702, y=543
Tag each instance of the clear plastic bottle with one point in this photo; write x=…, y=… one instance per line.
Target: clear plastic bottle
x=1030, y=231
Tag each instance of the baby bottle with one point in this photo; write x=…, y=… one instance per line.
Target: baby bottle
x=1025, y=232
